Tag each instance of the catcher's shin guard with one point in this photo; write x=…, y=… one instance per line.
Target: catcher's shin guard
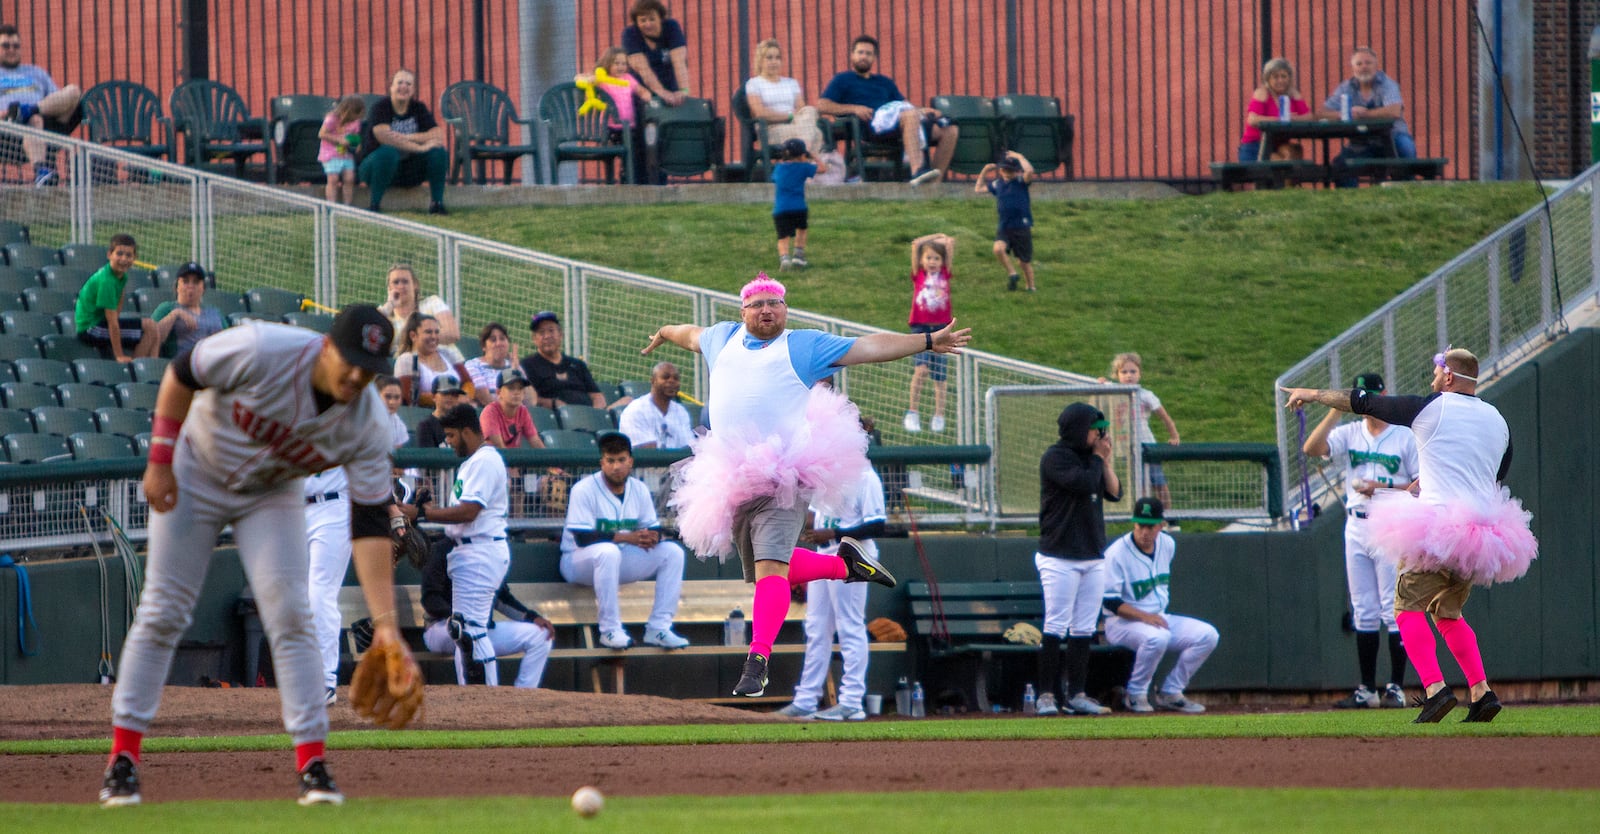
x=473, y=672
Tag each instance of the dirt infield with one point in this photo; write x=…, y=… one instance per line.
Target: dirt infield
x=82, y=712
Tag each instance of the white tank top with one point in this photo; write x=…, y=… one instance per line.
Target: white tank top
x=756, y=393
x=1460, y=441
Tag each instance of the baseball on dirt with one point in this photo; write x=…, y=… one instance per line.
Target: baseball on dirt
x=588, y=801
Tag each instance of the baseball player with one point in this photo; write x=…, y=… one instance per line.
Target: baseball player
x=834, y=606
x=327, y=509
x=239, y=422
x=1375, y=456
x=613, y=537
x=1138, y=583
x=479, y=561
x=522, y=632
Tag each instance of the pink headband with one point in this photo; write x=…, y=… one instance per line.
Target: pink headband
x=761, y=284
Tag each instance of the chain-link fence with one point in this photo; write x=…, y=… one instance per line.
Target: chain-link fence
x=1503, y=299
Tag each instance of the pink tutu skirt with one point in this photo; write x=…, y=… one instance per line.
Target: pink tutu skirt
x=823, y=464
x=1484, y=542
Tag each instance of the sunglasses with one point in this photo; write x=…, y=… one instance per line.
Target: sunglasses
x=1438, y=362
x=17, y=45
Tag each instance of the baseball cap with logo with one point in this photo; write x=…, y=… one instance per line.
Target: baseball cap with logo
x=512, y=376
x=541, y=317
x=447, y=384
x=191, y=268
x=1371, y=383
x=364, y=337
x=794, y=148
x=1147, y=511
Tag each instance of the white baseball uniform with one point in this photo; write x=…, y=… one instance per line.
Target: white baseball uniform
x=510, y=636
x=1390, y=460
x=593, y=507
x=1143, y=580
x=327, y=510
x=253, y=432
x=836, y=607
x=481, y=557
x=1072, y=592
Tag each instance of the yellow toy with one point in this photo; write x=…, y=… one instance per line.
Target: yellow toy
x=592, y=102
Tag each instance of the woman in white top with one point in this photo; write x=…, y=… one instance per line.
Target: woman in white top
x=422, y=360
x=779, y=101
x=405, y=298
x=498, y=355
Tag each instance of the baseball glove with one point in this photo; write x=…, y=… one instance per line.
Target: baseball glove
x=409, y=542
x=885, y=630
x=387, y=685
x=1024, y=633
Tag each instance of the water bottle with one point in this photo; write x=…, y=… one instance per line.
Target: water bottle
x=1344, y=106
x=733, y=629
x=1029, y=705
x=902, y=696
x=1283, y=108
x=919, y=704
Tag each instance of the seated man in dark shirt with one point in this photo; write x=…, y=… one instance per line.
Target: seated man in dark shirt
x=866, y=95
x=554, y=377
x=447, y=394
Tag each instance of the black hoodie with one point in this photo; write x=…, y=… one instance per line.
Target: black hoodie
x=1071, y=485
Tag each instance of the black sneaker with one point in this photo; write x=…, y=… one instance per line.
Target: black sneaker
x=317, y=787
x=1435, y=707
x=121, y=786
x=375, y=208
x=926, y=175
x=754, y=680
x=863, y=568
x=1483, y=710
x=1011, y=282
x=437, y=208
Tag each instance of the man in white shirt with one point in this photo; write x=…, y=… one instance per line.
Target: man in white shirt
x=658, y=421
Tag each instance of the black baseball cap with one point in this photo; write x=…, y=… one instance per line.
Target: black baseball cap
x=191, y=268
x=447, y=384
x=1147, y=511
x=1371, y=383
x=512, y=376
x=463, y=416
x=1009, y=163
x=364, y=337
x=541, y=317
x=794, y=148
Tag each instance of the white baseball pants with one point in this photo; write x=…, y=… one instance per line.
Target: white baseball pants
x=1371, y=580
x=608, y=565
x=476, y=571
x=509, y=638
x=1192, y=639
x=328, y=539
x=834, y=607
x=1073, y=589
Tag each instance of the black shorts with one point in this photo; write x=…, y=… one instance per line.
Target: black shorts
x=1019, y=242
x=132, y=326
x=789, y=222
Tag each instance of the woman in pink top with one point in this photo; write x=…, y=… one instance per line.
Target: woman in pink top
x=340, y=135
x=1277, y=81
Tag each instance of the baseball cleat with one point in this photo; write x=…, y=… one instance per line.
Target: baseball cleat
x=1081, y=704
x=796, y=711
x=1436, y=706
x=1138, y=703
x=753, y=682
x=316, y=786
x=1483, y=710
x=1176, y=703
x=618, y=639
x=861, y=567
x=1359, y=699
x=1046, y=705
x=840, y=712
x=332, y=696
x=665, y=638
x=121, y=786
x=1393, y=697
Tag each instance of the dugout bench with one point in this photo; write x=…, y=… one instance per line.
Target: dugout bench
x=975, y=617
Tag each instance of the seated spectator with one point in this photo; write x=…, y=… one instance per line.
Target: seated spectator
x=612, y=537
x=498, y=355
x=522, y=631
x=1371, y=95
x=556, y=377
x=403, y=145
x=30, y=96
x=185, y=321
x=420, y=361
x=506, y=422
x=1277, y=81
x=1138, y=572
x=405, y=298
x=779, y=101
x=447, y=394
x=658, y=421
x=100, y=322
x=883, y=110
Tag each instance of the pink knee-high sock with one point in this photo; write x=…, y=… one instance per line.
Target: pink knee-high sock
x=1420, y=646
x=806, y=565
x=1463, y=644
x=770, y=607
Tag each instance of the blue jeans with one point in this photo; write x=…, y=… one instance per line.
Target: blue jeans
x=1250, y=151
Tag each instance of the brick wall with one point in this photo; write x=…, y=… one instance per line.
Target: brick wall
x=1559, y=134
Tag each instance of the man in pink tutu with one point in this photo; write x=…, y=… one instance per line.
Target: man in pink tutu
x=1462, y=528
x=777, y=443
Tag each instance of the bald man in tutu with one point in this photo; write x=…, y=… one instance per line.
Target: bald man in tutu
x=1462, y=528
x=778, y=441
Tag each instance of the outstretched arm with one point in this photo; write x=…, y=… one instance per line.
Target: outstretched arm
x=1298, y=397
x=686, y=336
x=887, y=347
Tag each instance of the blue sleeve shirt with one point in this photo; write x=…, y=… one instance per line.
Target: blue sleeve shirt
x=812, y=353
x=789, y=180
x=874, y=91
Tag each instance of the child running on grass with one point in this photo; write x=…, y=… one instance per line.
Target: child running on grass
x=1008, y=181
x=789, y=212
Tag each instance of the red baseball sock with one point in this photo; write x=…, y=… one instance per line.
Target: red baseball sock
x=1420, y=645
x=306, y=753
x=770, y=607
x=806, y=565
x=125, y=741
x=1463, y=644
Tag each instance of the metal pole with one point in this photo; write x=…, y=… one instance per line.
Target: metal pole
x=196, y=40
x=1013, y=46
x=745, y=70
x=1594, y=96
x=1266, y=31
x=477, y=43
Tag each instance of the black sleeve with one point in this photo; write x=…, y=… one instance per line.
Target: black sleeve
x=1066, y=470
x=429, y=433
x=1398, y=411
x=584, y=538
x=870, y=530
x=1112, y=604
x=436, y=587
x=543, y=384
x=508, y=605
x=1505, y=461
x=424, y=116
x=183, y=368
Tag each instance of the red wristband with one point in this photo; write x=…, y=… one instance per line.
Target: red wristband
x=163, y=439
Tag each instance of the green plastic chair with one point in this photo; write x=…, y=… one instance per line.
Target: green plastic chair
x=296, y=121
x=320, y=322
x=140, y=395
x=90, y=256
x=13, y=421
x=979, y=143
x=586, y=138
x=128, y=422
x=43, y=371
x=485, y=123
x=1034, y=127
x=26, y=256
x=128, y=116
x=568, y=439
x=84, y=396
x=215, y=123
x=26, y=323
x=36, y=448
x=584, y=418
x=66, y=348
x=26, y=396
x=13, y=232
x=149, y=368
x=54, y=419
x=273, y=302
x=543, y=419
x=107, y=372
x=18, y=345
x=94, y=446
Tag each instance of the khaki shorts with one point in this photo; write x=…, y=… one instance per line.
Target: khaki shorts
x=1439, y=592
x=764, y=530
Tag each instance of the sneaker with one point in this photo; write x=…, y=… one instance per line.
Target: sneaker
x=785, y=263
x=937, y=423
x=375, y=208
x=1483, y=710
x=913, y=422
x=1436, y=706
x=437, y=208
x=317, y=787
x=1081, y=704
x=926, y=175
x=1138, y=703
x=753, y=681
x=1046, y=705
x=45, y=176
x=1393, y=697
x=1011, y=282
x=798, y=261
x=840, y=712
x=796, y=711
x=332, y=696
x=618, y=639
x=1176, y=703
x=666, y=638
x=861, y=567
x=121, y=786
x=1359, y=699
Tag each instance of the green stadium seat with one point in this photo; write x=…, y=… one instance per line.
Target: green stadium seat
x=89, y=256
x=566, y=439
x=469, y=347
x=101, y=446
x=17, y=280
x=7, y=373
x=42, y=300
x=66, y=278
x=147, y=299
x=66, y=348
x=149, y=368
x=412, y=416
x=27, y=255
x=86, y=396
x=632, y=388
x=13, y=421
x=140, y=395
x=544, y=419
x=49, y=419
x=25, y=396
x=1035, y=127
x=319, y=322
x=101, y=371
x=13, y=232
x=66, y=322
x=273, y=302
x=27, y=323
x=979, y=142
x=43, y=371
x=139, y=279
x=127, y=422
x=141, y=443
x=36, y=448
x=236, y=319
x=226, y=302
x=584, y=418
x=18, y=345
